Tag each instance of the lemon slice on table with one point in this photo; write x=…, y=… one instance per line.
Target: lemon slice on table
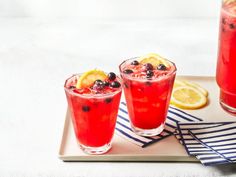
x=178, y=83
x=88, y=78
x=198, y=87
x=188, y=97
x=154, y=59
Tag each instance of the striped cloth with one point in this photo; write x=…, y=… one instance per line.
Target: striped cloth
x=191, y=146
x=220, y=141
x=174, y=115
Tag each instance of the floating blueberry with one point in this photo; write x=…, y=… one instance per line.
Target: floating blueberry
x=111, y=76
x=232, y=26
x=86, y=108
x=223, y=21
x=128, y=71
x=149, y=73
x=98, y=82
x=106, y=83
x=135, y=62
x=148, y=66
x=98, y=85
x=223, y=29
x=148, y=83
x=72, y=87
x=161, y=67
x=115, y=84
x=108, y=100
x=126, y=85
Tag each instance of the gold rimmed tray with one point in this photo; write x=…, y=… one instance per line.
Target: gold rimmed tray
x=168, y=149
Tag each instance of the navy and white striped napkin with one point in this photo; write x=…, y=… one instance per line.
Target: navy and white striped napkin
x=220, y=140
x=204, y=153
x=123, y=127
x=193, y=147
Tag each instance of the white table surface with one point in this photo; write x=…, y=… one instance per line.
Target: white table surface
x=37, y=55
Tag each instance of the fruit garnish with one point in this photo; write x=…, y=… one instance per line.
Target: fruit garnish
x=188, y=97
x=88, y=78
x=111, y=76
x=196, y=86
x=135, y=62
x=153, y=59
x=115, y=84
x=128, y=71
x=178, y=83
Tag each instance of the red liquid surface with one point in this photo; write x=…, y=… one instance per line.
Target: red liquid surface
x=226, y=66
x=148, y=99
x=93, y=116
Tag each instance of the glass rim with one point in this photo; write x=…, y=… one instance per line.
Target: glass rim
x=146, y=79
x=227, y=8
x=99, y=95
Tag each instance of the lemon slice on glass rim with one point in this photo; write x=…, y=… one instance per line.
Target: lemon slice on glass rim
x=154, y=59
x=88, y=78
x=188, y=97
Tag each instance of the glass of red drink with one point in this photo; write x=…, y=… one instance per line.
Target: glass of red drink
x=93, y=112
x=226, y=65
x=147, y=93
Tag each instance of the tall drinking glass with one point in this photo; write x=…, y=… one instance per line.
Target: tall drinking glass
x=226, y=65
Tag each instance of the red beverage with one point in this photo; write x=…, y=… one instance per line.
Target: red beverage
x=147, y=95
x=94, y=112
x=226, y=66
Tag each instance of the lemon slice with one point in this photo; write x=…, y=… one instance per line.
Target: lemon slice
x=154, y=59
x=178, y=83
x=196, y=86
x=188, y=97
x=88, y=78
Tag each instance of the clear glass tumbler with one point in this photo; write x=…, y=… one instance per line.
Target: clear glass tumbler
x=93, y=117
x=226, y=65
x=147, y=100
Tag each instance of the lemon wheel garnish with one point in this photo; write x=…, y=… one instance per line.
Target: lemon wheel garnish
x=154, y=59
x=188, y=97
x=88, y=78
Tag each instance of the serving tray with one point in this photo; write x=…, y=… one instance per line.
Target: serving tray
x=168, y=149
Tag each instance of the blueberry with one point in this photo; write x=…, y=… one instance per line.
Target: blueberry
x=115, y=84
x=148, y=83
x=111, y=76
x=98, y=85
x=149, y=73
x=108, y=100
x=128, y=71
x=72, y=87
x=98, y=82
x=106, y=83
x=223, y=21
x=86, y=108
x=126, y=85
x=161, y=67
x=148, y=66
x=232, y=26
x=135, y=62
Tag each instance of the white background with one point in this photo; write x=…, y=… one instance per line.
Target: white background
x=44, y=42
x=110, y=9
